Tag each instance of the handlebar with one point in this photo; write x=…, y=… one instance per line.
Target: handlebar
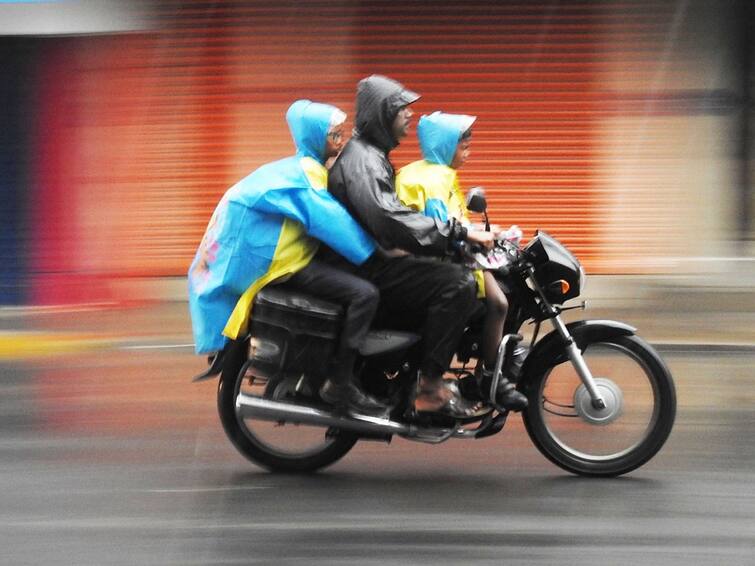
x=504, y=255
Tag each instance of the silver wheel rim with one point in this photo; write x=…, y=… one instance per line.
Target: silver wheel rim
x=585, y=432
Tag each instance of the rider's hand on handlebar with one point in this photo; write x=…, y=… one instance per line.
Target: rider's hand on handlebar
x=484, y=239
x=513, y=234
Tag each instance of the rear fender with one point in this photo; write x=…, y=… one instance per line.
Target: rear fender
x=551, y=349
x=215, y=366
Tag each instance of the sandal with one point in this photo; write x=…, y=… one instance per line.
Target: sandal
x=479, y=408
x=449, y=402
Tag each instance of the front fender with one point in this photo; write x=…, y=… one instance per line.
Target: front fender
x=551, y=349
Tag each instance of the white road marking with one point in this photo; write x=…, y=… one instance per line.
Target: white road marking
x=203, y=489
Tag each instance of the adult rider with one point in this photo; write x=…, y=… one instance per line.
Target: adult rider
x=438, y=295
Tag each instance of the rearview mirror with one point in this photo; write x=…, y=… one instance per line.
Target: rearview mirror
x=476, y=201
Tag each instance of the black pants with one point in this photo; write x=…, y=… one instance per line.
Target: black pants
x=425, y=295
x=359, y=299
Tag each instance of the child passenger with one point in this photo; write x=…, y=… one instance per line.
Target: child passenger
x=431, y=185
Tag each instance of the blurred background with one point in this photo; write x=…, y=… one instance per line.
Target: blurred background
x=624, y=128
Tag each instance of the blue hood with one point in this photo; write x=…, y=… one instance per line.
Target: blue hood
x=309, y=123
x=439, y=134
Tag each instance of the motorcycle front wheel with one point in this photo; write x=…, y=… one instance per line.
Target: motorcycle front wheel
x=641, y=407
x=277, y=446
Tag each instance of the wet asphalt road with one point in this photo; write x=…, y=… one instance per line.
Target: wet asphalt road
x=113, y=457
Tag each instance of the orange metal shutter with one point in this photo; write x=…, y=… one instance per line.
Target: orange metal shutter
x=185, y=111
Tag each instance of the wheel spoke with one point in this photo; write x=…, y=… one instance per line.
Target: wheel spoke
x=547, y=404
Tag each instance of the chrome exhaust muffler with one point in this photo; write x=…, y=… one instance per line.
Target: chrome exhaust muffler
x=268, y=410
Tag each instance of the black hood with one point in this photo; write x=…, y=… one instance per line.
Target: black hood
x=378, y=101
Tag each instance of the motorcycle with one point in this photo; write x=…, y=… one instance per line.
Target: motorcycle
x=601, y=400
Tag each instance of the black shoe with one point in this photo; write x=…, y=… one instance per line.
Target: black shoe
x=506, y=394
x=509, y=398
x=349, y=397
x=512, y=367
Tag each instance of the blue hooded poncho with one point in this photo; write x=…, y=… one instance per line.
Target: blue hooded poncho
x=266, y=227
x=439, y=135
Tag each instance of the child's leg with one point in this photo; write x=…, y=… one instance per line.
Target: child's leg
x=496, y=308
x=495, y=317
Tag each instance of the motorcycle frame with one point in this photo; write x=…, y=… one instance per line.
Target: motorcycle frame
x=530, y=303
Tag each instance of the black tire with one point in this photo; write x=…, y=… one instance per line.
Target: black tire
x=659, y=391
x=251, y=445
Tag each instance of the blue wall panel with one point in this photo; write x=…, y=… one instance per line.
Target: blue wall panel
x=16, y=122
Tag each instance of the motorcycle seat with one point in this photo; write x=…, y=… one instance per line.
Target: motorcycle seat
x=282, y=299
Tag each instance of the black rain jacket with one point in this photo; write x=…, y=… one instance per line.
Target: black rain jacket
x=362, y=177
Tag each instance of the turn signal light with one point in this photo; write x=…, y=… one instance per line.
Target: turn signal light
x=560, y=286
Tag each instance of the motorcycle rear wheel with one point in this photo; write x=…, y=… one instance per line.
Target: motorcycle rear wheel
x=279, y=447
x=580, y=439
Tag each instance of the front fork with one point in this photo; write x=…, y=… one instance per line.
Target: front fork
x=573, y=351
x=575, y=355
